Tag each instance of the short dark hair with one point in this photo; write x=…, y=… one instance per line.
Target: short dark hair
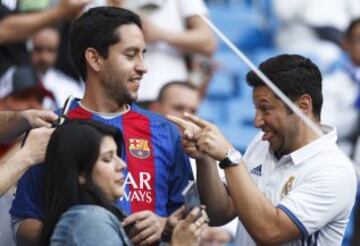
x=295, y=76
x=96, y=28
x=351, y=27
x=73, y=149
x=185, y=84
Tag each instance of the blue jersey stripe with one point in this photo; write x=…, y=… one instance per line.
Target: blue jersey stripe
x=294, y=219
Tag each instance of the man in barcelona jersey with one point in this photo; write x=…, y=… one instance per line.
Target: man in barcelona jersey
x=107, y=47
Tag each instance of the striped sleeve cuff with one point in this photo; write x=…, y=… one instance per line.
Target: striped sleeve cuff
x=295, y=220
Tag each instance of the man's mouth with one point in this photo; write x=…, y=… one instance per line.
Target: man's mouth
x=135, y=80
x=268, y=135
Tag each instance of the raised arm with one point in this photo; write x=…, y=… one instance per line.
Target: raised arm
x=14, y=123
x=266, y=223
x=18, y=27
x=197, y=38
x=33, y=152
x=220, y=206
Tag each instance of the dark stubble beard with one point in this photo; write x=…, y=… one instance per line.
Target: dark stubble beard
x=117, y=92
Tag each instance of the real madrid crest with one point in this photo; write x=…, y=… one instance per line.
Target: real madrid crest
x=287, y=187
x=139, y=148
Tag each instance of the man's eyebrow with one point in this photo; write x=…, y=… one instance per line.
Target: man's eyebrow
x=134, y=48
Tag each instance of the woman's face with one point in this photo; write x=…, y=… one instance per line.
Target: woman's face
x=108, y=170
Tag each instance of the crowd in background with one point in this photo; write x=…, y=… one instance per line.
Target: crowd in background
x=189, y=69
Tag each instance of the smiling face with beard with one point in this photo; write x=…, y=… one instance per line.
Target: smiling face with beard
x=124, y=67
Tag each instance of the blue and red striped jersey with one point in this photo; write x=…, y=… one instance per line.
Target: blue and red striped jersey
x=157, y=167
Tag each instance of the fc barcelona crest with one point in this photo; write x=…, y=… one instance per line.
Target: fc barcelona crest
x=139, y=148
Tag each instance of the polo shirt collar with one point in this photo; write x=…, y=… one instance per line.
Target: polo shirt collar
x=306, y=152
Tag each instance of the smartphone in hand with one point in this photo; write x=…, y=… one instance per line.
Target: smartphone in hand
x=191, y=197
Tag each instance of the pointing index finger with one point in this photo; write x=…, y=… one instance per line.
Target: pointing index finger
x=183, y=124
x=196, y=120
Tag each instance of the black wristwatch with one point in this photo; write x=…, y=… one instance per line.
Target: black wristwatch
x=233, y=158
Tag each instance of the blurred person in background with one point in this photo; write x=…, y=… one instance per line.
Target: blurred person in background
x=20, y=91
x=44, y=52
x=341, y=91
x=16, y=26
x=314, y=27
x=342, y=107
x=175, y=98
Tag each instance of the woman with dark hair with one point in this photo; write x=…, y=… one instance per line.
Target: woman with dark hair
x=83, y=177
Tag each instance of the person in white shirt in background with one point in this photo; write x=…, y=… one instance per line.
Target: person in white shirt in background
x=44, y=51
x=313, y=27
x=341, y=91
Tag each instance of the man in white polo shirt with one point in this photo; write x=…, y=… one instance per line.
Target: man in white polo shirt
x=292, y=186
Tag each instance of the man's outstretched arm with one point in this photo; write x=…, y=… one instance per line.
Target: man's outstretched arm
x=14, y=123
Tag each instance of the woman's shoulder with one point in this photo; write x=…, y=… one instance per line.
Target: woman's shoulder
x=88, y=213
x=89, y=225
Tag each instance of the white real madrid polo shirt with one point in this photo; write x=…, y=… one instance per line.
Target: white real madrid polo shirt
x=315, y=186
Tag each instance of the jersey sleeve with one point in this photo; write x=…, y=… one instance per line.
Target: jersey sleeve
x=322, y=197
x=28, y=198
x=180, y=174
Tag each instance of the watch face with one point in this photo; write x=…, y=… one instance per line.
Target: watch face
x=234, y=156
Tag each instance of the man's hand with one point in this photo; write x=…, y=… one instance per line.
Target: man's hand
x=202, y=136
x=69, y=9
x=36, y=145
x=144, y=228
x=38, y=118
x=187, y=231
x=171, y=223
x=188, y=131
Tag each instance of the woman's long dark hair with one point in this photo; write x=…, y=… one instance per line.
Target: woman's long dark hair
x=74, y=148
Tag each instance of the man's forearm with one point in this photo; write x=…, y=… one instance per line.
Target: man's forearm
x=263, y=221
x=12, y=125
x=29, y=232
x=198, y=38
x=213, y=193
x=12, y=169
x=18, y=27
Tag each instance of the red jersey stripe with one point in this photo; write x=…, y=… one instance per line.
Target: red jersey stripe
x=141, y=166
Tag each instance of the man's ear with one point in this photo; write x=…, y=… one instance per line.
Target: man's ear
x=305, y=104
x=93, y=59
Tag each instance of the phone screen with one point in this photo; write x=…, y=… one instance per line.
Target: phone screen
x=191, y=196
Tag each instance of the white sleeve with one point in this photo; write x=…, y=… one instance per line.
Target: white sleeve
x=190, y=8
x=322, y=197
